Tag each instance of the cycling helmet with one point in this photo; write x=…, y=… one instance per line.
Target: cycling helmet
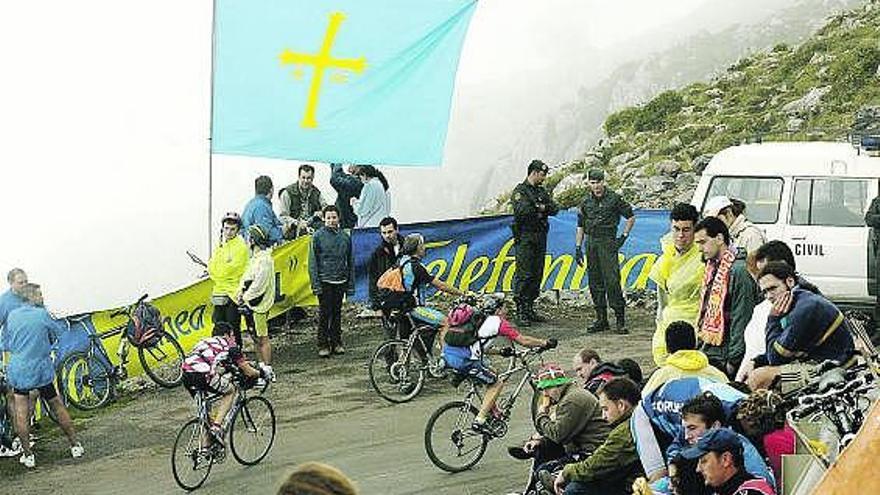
x=552, y=375
x=490, y=303
x=258, y=235
x=231, y=217
x=460, y=315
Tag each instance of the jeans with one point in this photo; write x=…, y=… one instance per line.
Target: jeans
x=330, y=315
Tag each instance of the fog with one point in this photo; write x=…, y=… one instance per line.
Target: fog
x=105, y=128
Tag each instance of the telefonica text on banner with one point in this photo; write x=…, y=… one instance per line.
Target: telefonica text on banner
x=352, y=81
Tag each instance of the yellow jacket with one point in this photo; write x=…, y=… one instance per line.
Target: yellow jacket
x=683, y=364
x=678, y=278
x=227, y=265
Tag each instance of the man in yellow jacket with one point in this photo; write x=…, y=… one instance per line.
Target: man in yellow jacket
x=225, y=268
x=678, y=273
x=684, y=360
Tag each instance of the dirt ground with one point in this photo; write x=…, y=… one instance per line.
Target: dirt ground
x=326, y=410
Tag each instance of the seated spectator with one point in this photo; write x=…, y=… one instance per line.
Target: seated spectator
x=569, y=424
x=632, y=369
x=720, y=458
x=762, y=418
x=657, y=420
x=613, y=467
x=703, y=413
x=683, y=359
x=593, y=372
x=315, y=478
x=803, y=330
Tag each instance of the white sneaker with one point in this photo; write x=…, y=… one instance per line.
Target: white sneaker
x=16, y=443
x=28, y=461
x=10, y=452
x=77, y=450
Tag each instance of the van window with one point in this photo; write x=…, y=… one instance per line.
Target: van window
x=829, y=202
x=760, y=194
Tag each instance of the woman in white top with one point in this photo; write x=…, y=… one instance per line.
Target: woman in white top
x=374, y=203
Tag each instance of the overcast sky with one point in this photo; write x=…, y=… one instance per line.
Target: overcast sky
x=105, y=111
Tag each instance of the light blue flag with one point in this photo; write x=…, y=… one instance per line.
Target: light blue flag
x=352, y=81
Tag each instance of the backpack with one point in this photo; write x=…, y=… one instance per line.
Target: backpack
x=145, y=327
x=464, y=323
x=393, y=293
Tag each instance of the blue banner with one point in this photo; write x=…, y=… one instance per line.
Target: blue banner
x=348, y=81
x=477, y=254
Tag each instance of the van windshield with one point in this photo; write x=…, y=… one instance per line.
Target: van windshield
x=761, y=195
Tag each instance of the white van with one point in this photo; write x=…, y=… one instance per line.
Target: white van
x=813, y=196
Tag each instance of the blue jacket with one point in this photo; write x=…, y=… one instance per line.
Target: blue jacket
x=347, y=187
x=29, y=334
x=331, y=259
x=8, y=301
x=813, y=330
x=259, y=211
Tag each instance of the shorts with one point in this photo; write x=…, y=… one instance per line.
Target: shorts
x=196, y=382
x=472, y=368
x=258, y=323
x=47, y=392
x=428, y=315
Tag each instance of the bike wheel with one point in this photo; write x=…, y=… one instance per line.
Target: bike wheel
x=252, y=432
x=449, y=441
x=396, y=373
x=188, y=462
x=86, y=381
x=162, y=361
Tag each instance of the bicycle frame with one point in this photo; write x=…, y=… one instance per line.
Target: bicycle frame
x=516, y=364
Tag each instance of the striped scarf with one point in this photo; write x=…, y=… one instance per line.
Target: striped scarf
x=712, y=296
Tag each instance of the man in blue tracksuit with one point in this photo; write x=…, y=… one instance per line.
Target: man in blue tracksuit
x=259, y=211
x=657, y=421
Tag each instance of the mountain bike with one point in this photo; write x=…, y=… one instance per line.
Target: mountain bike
x=450, y=442
x=248, y=428
x=89, y=379
x=398, y=367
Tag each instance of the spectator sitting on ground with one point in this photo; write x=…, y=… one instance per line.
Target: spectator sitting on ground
x=374, y=203
x=315, y=478
x=720, y=460
x=301, y=204
x=703, y=413
x=755, y=332
x=683, y=359
x=347, y=186
x=259, y=211
x=612, y=468
x=569, y=424
x=762, y=419
x=593, y=372
x=803, y=330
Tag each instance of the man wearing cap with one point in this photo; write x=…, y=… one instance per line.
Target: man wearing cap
x=532, y=207
x=598, y=216
x=743, y=233
x=720, y=461
x=569, y=423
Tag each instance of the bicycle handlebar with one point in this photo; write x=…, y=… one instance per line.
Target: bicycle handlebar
x=812, y=403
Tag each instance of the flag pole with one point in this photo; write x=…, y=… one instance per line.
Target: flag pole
x=211, y=125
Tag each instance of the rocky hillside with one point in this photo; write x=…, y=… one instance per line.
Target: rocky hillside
x=654, y=152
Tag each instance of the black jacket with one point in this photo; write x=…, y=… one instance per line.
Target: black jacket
x=381, y=260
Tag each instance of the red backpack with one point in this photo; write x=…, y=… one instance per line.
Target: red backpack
x=145, y=327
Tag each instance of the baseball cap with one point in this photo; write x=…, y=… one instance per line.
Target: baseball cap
x=552, y=375
x=716, y=204
x=714, y=440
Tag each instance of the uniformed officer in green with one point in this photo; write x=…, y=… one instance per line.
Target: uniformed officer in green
x=872, y=219
x=532, y=206
x=598, y=216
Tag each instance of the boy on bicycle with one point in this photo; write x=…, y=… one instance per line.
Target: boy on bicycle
x=468, y=360
x=210, y=366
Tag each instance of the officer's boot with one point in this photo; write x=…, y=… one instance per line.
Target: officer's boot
x=533, y=315
x=601, y=323
x=522, y=315
x=620, y=326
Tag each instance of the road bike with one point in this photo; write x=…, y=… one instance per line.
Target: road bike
x=399, y=367
x=450, y=442
x=89, y=379
x=248, y=428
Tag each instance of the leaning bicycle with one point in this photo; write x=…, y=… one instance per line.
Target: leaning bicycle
x=90, y=380
x=248, y=429
x=450, y=442
x=399, y=367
